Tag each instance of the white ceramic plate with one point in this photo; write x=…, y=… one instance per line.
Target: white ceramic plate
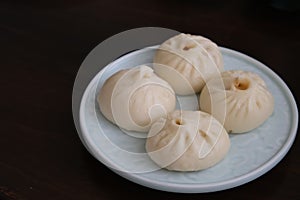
x=251, y=154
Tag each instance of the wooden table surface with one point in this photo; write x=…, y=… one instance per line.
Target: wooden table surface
x=42, y=46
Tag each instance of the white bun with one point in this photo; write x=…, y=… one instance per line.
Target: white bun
x=187, y=62
x=133, y=99
x=242, y=102
x=187, y=141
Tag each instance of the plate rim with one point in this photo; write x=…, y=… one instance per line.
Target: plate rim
x=202, y=187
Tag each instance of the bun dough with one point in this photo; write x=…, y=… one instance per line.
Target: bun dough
x=187, y=62
x=242, y=103
x=133, y=99
x=187, y=141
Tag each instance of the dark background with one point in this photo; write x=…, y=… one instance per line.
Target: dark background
x=42, y=45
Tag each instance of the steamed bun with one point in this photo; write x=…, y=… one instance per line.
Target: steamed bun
x=134, y=98
x=247, y=103
x=187, y=141
x=187, y=62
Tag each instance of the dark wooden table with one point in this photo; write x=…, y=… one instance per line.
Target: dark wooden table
x=42, y=46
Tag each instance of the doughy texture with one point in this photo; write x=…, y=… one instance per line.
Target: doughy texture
x=247, y=103
x=187, y=62
x=187, y=141
x=133, y=99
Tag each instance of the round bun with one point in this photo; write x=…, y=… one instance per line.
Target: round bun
x=187, y=141
x=241, y=100
x=133, y=99
x=187, y=62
